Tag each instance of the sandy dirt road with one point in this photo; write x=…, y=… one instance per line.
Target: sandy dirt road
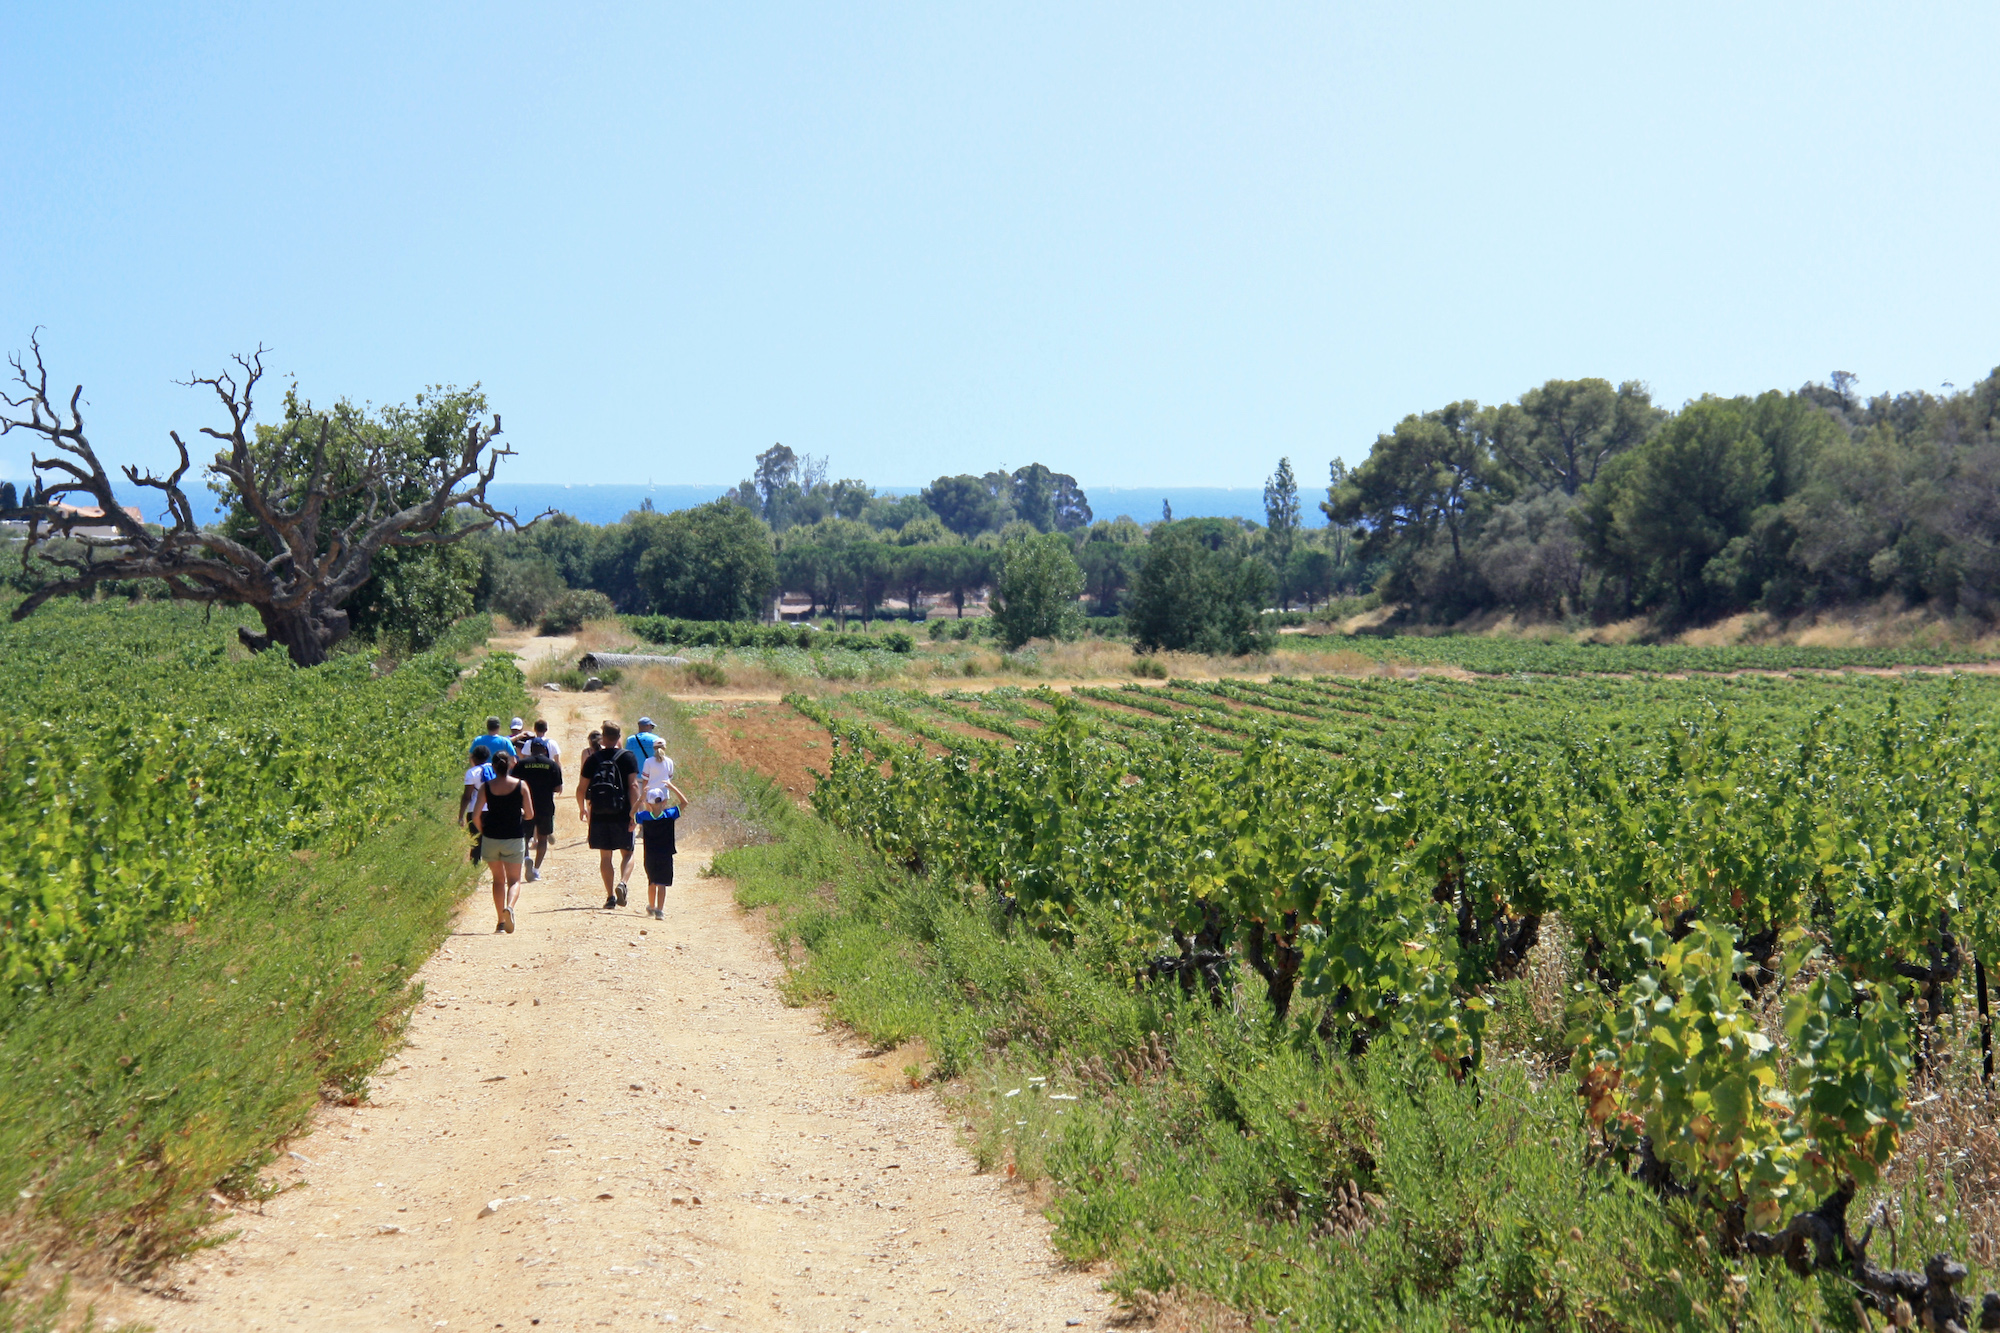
x=667, y=1145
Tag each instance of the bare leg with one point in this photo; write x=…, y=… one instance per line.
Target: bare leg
x=513, y=886
x=656, y=897
x=499, y=869
x=604, y=869
x=625, y=866
x=541, y=848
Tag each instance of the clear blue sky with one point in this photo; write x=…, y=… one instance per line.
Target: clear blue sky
x=1146, y=244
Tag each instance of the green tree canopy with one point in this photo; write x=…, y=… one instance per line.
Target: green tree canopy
x=1038, y=587
x=412, y=593
x=713, y=562
x=1692, y=517
x=1281, y=525
x=1420, y=495
x=1191, y=598
x=1559, y=436
x=965, y=504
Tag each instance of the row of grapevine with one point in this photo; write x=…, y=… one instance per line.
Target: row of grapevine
x=1500, y=656
x=150, y=769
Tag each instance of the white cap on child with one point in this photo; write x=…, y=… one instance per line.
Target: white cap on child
x=657, y=794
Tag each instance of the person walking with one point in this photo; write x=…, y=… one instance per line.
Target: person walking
x=494, y=742
x=506, y=809
x=542, y=735
x=608, y=801
x=658, y=770
x=539, y=769
x=656, y=829
x=593, y=743
x=477, y=776
x=643, y=742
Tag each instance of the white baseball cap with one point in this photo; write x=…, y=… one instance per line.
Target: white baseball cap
x=515, y=724
x=657, y=794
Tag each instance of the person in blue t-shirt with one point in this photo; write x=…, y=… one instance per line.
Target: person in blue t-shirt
x=494, y=742
x=642, y=742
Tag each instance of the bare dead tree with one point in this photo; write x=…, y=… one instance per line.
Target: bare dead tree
x=317, y=560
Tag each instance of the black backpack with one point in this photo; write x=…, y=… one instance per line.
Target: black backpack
x=607, y=790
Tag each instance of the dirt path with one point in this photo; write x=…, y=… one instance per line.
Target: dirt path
x=665, y=1143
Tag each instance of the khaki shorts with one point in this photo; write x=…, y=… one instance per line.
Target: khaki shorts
x=510, y=851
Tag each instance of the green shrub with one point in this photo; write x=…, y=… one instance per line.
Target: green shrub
x=750, y=634
x=706, y=673
x=192, y=763
x=570, y=611
x=1148, y=667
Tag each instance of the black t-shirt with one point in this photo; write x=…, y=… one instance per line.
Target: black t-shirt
x=658, y=835
x=542, y=774
x=607, y=783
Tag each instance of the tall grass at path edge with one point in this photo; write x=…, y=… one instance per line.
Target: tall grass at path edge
x=130, y=1103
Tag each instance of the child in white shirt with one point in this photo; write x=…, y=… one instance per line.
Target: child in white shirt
x=659, y=770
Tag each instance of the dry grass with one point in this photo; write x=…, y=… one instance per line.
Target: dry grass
x=1887, y=623
x=1955, y=1135
x=1952, y=1150
x=1181, y=1311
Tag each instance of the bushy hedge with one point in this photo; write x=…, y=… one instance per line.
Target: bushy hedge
x=750, y=634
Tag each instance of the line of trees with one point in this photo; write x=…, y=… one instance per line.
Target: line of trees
x=848, y=552
x=1580, y=499
x=1587, y=499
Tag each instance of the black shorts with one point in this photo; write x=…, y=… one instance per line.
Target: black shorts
x=611, y=835
x=660, y=869
x=545, y=820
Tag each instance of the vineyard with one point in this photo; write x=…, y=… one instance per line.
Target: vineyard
x=217, y=874
x=1769, y=902
x=149, y=771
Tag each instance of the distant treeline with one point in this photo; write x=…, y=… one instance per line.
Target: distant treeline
x=1586, y=499
x=846, y=551
x=1581, y=499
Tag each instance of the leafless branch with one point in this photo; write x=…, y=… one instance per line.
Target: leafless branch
x=299, y=587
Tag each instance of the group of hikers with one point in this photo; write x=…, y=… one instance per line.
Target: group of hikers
x=627, y=799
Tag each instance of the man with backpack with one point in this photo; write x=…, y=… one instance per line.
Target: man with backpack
x=541, y=769
x=608, y=802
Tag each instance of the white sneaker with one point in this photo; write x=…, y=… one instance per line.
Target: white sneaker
x=533, y=874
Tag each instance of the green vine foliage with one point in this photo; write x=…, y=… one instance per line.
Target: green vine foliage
x=1679, y=1064
x=1388, y=876
x=150, y=777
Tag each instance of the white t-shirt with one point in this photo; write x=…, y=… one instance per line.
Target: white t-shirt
x=657, y=773
x=475, y=775
x=555, y=751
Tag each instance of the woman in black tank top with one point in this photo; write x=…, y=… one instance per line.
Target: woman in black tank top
x=502, y=816
x=506, y=810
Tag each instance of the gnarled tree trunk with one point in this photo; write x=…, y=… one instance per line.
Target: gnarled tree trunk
x=312, y=561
